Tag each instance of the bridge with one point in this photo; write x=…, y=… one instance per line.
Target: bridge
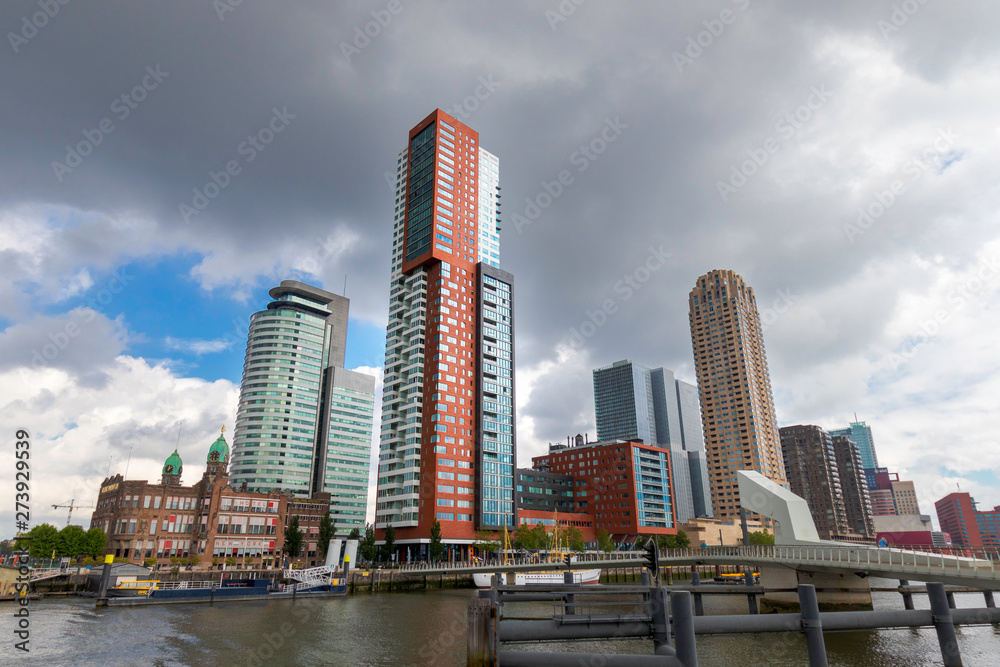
x=981, y=570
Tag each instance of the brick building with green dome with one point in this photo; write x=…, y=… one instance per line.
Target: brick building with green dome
x=211, y=523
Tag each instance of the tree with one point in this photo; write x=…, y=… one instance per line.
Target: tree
x=540, y=536
x=44, y=540
x=437, y=549
x=149, y=562
x=604, y=541
x=761, y=537
x=683, y=541
x=486, y=542
x=293, y=538
x=94, y=543
x=531, y=538
x=366, y=547
x=355, y=534
x=71, y=541
x=574, y=538
x=390, y=542
x=325, y=534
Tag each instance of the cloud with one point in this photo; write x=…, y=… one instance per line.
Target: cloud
x=314, y=204
x=80, y=432
x=199, y=347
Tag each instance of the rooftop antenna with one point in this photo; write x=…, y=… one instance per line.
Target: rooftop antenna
x=126, y=463
x=345, y=285
x=109, y=465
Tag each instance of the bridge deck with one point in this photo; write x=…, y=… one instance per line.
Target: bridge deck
x=982, y=572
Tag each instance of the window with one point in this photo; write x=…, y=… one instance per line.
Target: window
x=156, y=503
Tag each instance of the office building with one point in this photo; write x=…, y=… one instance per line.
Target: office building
x=857, y=504
x=304, y=422
x=812, y=473
x=737, y=404
x=624, y=486
x=447, y=448
x=636, y=403
x=861, y=434
x=968, y=527
x=892, y=495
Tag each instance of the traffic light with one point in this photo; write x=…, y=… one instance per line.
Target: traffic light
x=568, y=560
x=652, y=558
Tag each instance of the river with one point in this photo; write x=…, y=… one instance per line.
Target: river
x=415, y=628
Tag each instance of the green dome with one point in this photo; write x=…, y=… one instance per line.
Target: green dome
x=219, y=451
x=173, y=465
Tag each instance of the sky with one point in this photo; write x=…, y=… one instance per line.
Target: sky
x=164, y=164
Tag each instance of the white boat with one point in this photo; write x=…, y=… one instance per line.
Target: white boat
x=592, y=576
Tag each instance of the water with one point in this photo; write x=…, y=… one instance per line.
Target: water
x=418, y=628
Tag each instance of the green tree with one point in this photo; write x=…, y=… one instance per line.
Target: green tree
x=678, y=541
x=293, y=538
x=367, y=549
x=531, y=538
x=486, y=542
x=761, y=537
x=540, y=536
x=44, y=540
x=682, y=540
x=437, y=549
x=523, y=537
x=390, y=543
x=325, y=534
x=604, y=541
x=71, y=541
x=574, y=538
x=355, y=534
x=95, y=542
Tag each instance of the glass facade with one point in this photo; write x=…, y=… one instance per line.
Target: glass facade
x=861, y=434
x=348, y=450
x=652, y=488
x=304, y=423
x=279, y=411
x=420, y=195
x=496, y=446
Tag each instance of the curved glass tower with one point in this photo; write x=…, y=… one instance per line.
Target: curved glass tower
x=304, y=422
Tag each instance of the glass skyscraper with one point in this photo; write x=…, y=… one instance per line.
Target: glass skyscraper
x=633, y=402
x=304, y=422
x=861, y=434
x=447, y=450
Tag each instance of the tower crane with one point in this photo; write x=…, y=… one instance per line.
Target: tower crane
x=71, y=507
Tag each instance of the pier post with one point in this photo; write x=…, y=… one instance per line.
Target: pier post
x=944, y=624
x=684, y=642
x=907, y=595
x=645, y=578
x=479, y=648
x=102, y=592
x=751, y=598
x=670, y=576
x=661, y=619
x=812, y=626
x=951, y=599
x=699, y=608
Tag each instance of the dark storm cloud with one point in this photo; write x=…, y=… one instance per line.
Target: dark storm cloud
x=691, y=93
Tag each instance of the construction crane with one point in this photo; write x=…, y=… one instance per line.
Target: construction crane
x=71, y=506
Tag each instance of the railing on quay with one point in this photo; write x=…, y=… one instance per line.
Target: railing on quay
x=608, y=613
